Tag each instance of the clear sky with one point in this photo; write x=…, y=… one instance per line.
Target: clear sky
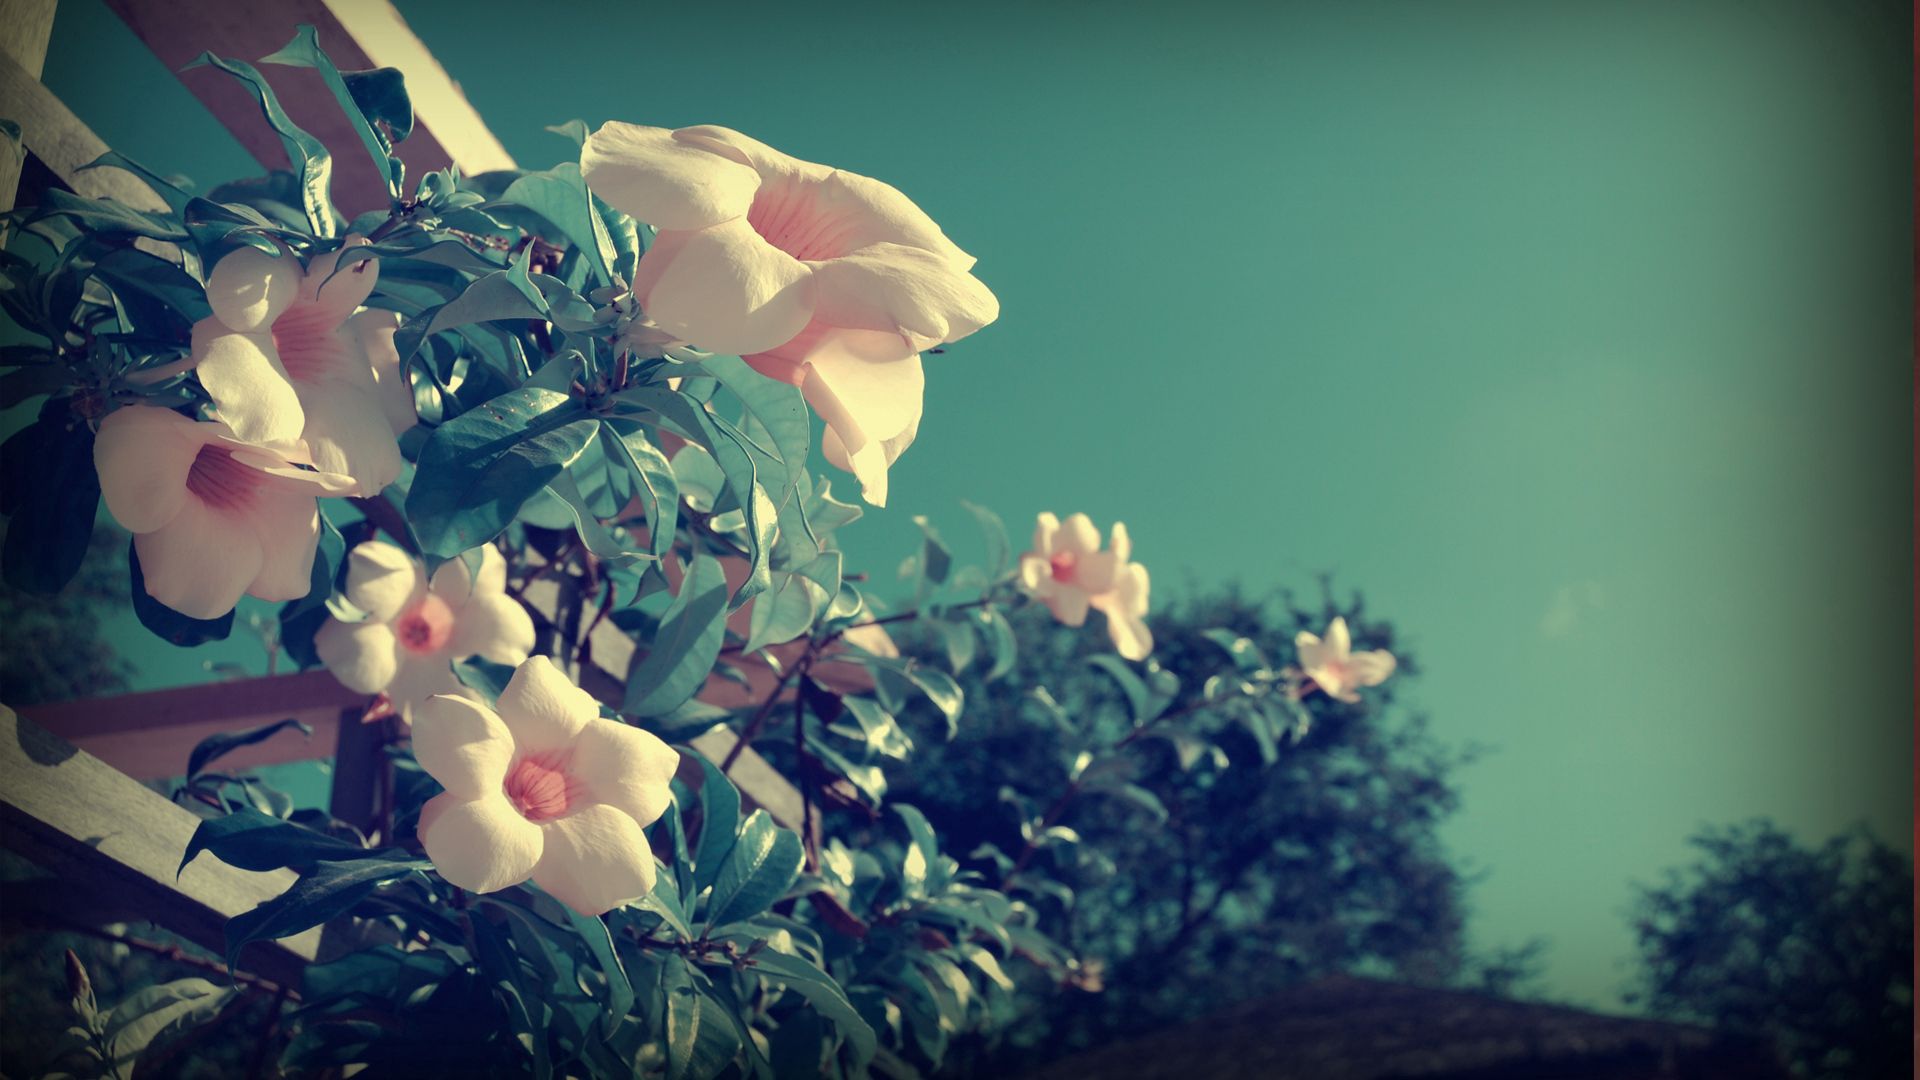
x=1576, y=336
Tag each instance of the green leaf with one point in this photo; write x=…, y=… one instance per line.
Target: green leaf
x=312, y=165
x=252, y=840
x=483, y=675
x=685, y=647
x=999, y=549
x=659, y=491
x=827, y=998
x=599, y=941
x=168, y=624
x=937, y=685
x=53, y=495
x=503, y=294
x=719, y=822
x=607, y=544
x=961, y=644
x=105, y=215
x=1137, y=796
x=147, y=1016
x=574, y=131
x=216, y=746
x=879, y=731
x=763, y=863
x=687, y=721
x=1139, y=698
x=328, y=890
x=1246, y=655
x=920, y=868
x=478, y=468
x=304, y=51
x=785, y=611
x=559, y=196
x=1002, y=645
x=381, y=94
x=683, y=1014
x=169, y=192
x=526, y=1009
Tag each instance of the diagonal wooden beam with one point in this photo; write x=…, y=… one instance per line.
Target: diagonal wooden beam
x=53, y=134
x=357, y=34
x=107, y=835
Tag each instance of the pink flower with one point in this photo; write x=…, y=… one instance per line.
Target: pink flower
x=284, y=357
x=1336, y=668
x=540, y=786
x=826, y=279
x=1067, y=571
x=416, y=628
x=213, y=517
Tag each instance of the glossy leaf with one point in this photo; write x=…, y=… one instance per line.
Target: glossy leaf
x=252, y=840
x=685, y=647
x=330, y=889
x=479, y=468
x=764, y=860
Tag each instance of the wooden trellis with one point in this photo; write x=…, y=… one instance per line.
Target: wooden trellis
x=70, y=796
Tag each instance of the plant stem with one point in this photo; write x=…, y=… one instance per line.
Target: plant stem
x=177, y=955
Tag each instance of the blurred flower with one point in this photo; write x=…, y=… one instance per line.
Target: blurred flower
x=826, y=279
x=1067, y=571
x=1336, y=668
x=284, y=357
x=416, y=628
x=213, y=517
x=541, y=786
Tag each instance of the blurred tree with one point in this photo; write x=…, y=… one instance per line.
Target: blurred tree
x=1809, y=947
x=1281, y=859
x=54, y=649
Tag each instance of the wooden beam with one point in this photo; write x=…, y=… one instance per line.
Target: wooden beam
x=58, y=138
x=25, y=28
x=357, y=34
x=148, y=735
x=105, y=834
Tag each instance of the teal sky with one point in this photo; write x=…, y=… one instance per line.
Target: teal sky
x=1577, y=337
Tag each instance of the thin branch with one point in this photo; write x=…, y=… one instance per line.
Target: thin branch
x=176, y=954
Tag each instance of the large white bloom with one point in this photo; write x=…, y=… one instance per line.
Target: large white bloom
x=1067, y=571
x=213, y=518
x=415, y=628
x=541, y=786
x=832, y=281
x=284, y=357
x=1336, y=668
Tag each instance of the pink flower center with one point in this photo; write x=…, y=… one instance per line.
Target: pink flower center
x=1063, y=566
x=794, y=216
x=219, y=481
x=426, y=626
x=307, y=337
x=540, y=788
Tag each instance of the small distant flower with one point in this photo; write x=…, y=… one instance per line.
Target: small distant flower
x=1067, y=571
x=416, y=628
x=284, y=357
x=213, y=517
x=541, y=786
x=829, y=280
x=1336, y=668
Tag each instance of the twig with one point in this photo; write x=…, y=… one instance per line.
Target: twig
x=176, y=954
x=258, y=1066
x=759, y=721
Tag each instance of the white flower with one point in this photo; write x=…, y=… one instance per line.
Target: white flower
x=1336, y=668
x=829, y=280
x=541, y=786
x=213, y=517
x=1067, y=571
x=416, y=628
x=284, y=357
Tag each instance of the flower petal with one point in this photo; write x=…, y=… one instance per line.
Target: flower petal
x=250, y=388
x=373, y=331
x=1078, y=536
x=543, y=709
x=482, y=845
x=1095, y=572
x=143, y=455
x=1035, y=572
x=199, y=563
x=595, y=860
x=249, y=288
x=904, y=290
x=867, y=464
x=1371, y=667
x=1338, y=639
x=1122, y=543
x=861, y=382
x=364, y=656
x=666, y=182
x=625, y=767
x=1310, y=650
x=725, y=289
x=1046, y=531
x=339, y=293
x=381, y=579
x=462, y=744
x=288, y=525
x=452, y=582
x=348, y=433
x=1068, y=603
x=1130, y=635
x=421, y=678
x=495, y=627
x=876, y=212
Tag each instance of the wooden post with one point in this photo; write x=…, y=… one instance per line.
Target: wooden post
x=108, y=836
x=357, y=34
